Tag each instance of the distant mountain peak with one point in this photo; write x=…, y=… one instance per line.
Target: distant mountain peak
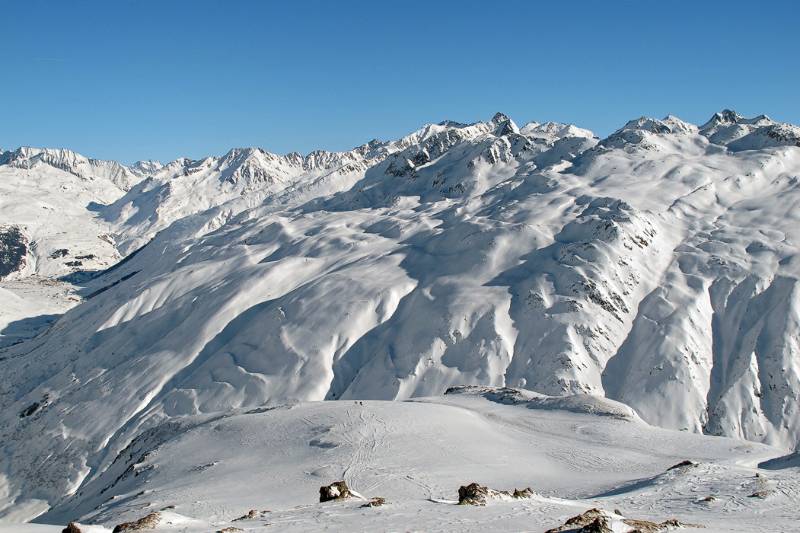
x=726, y=116
x=69, y=161
x=503, y=124
x=499, y=118
x=729, y=117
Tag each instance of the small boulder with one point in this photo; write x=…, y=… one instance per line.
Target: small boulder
x=601, y=524
x=148, y=522
x=229, y=530
x=521, y=494
x=72, y=527
x=682, y=464
x=375, y=502
x=472, y=494
x=592, y=518
x=646, y=526
x=337, y=490
x=251, y=515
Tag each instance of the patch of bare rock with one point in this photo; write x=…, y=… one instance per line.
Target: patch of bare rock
x=148, y=522
x=338, y=490
x=600, y=521
x=375, y=502
x=475, y=494
x=252, y=514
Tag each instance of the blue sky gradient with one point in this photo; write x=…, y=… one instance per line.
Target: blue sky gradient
x=132, y=80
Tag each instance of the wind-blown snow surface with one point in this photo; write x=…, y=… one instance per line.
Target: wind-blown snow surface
x=576, y=453
x=657, y=267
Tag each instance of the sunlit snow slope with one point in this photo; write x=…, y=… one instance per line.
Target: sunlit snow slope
x=576, y=453
x=657, y=267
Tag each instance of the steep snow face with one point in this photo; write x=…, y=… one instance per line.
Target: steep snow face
x=49, y=229
x=52, y=196
x=53, y=209
x=657, y=268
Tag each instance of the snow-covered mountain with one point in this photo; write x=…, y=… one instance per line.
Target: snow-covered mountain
x=49, y=229
x=30, y=158
x=657, y=267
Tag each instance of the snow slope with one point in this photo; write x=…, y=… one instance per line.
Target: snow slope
x=657, y=267
x=48, y=202
x=576, y=453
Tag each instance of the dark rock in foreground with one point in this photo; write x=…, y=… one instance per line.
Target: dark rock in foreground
x=335, y=491
x=148, y=522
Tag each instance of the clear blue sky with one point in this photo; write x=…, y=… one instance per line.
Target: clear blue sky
x=131, y=80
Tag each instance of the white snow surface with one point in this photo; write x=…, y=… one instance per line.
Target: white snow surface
x=214, y=469
x=657, y=268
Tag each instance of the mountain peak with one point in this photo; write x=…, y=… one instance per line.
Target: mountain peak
x=500, y=117
x=503, y=124
x=724, y=117
x=148, y=166
x=645, y=125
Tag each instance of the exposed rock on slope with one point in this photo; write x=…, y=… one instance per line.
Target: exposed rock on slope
x=13, y=250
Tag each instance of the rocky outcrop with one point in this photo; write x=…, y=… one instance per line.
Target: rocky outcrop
x=475, y=494
x=251, y=515
x=335, y=491
x=148, y=522
x=601, y=521
x=375, y=502
x=13, y=250
x=472, y=494
x=683, y=464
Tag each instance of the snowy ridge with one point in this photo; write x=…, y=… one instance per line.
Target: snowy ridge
x=240, y=179
x=27, y=157
x=657, y=268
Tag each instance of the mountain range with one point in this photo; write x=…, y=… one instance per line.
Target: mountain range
x=656, y=268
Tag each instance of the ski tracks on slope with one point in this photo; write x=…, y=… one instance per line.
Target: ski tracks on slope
x=367, y=468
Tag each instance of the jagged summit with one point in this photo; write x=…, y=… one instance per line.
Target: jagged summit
x=147, y=167
x=728, y=117
x=647, y=133
x=738, y=133
x=504, y=125
x=499, y=118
